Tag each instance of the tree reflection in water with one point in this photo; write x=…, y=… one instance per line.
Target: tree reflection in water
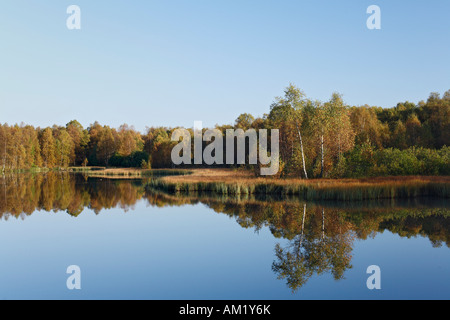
x=320, y=236
x=312, y=252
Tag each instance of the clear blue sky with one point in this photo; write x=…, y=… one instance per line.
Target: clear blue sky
x=151, y=63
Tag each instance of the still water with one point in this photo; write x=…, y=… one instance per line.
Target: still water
x=132, y=242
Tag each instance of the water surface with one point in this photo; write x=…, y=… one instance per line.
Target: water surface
x=132, y=242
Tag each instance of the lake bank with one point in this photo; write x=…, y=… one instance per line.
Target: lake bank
x=240, y=182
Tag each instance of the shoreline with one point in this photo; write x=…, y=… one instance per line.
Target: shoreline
x=240, y=182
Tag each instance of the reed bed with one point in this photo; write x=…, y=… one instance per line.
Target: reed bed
x=85, y=169
x=124, y=172
x=233, y=183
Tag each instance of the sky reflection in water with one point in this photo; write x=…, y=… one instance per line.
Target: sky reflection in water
x=135, y=243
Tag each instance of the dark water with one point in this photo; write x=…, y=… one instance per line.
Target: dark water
x=131, y=242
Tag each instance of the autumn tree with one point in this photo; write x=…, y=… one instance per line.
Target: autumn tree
x=65, y=148
x=335, y=134
x=80, y=138
x=107, y=144
x=244, y=121
x=129, y=141
x=48, y=148
x=367, y=126
x=94, y=132
x=413, y=128
x=159, y=146
x=286, y=115
x=4, y=143
x=436, y=115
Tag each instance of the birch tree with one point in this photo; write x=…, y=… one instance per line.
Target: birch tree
x=287, y=115
x=334, y=131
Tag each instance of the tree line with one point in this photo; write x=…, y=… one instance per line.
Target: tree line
x=317, y=139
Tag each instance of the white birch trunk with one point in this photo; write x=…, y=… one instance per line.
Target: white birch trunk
x=303, y=154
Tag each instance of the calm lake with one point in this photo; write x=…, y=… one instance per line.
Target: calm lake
x=132, y=242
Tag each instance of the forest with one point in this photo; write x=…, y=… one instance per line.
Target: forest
x=317, y=140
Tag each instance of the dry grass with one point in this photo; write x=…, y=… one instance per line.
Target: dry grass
x=222, y=181
x=230, y=176
x=213, y=175
x=120, y=171
x=82, y=169
x=133, y=172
